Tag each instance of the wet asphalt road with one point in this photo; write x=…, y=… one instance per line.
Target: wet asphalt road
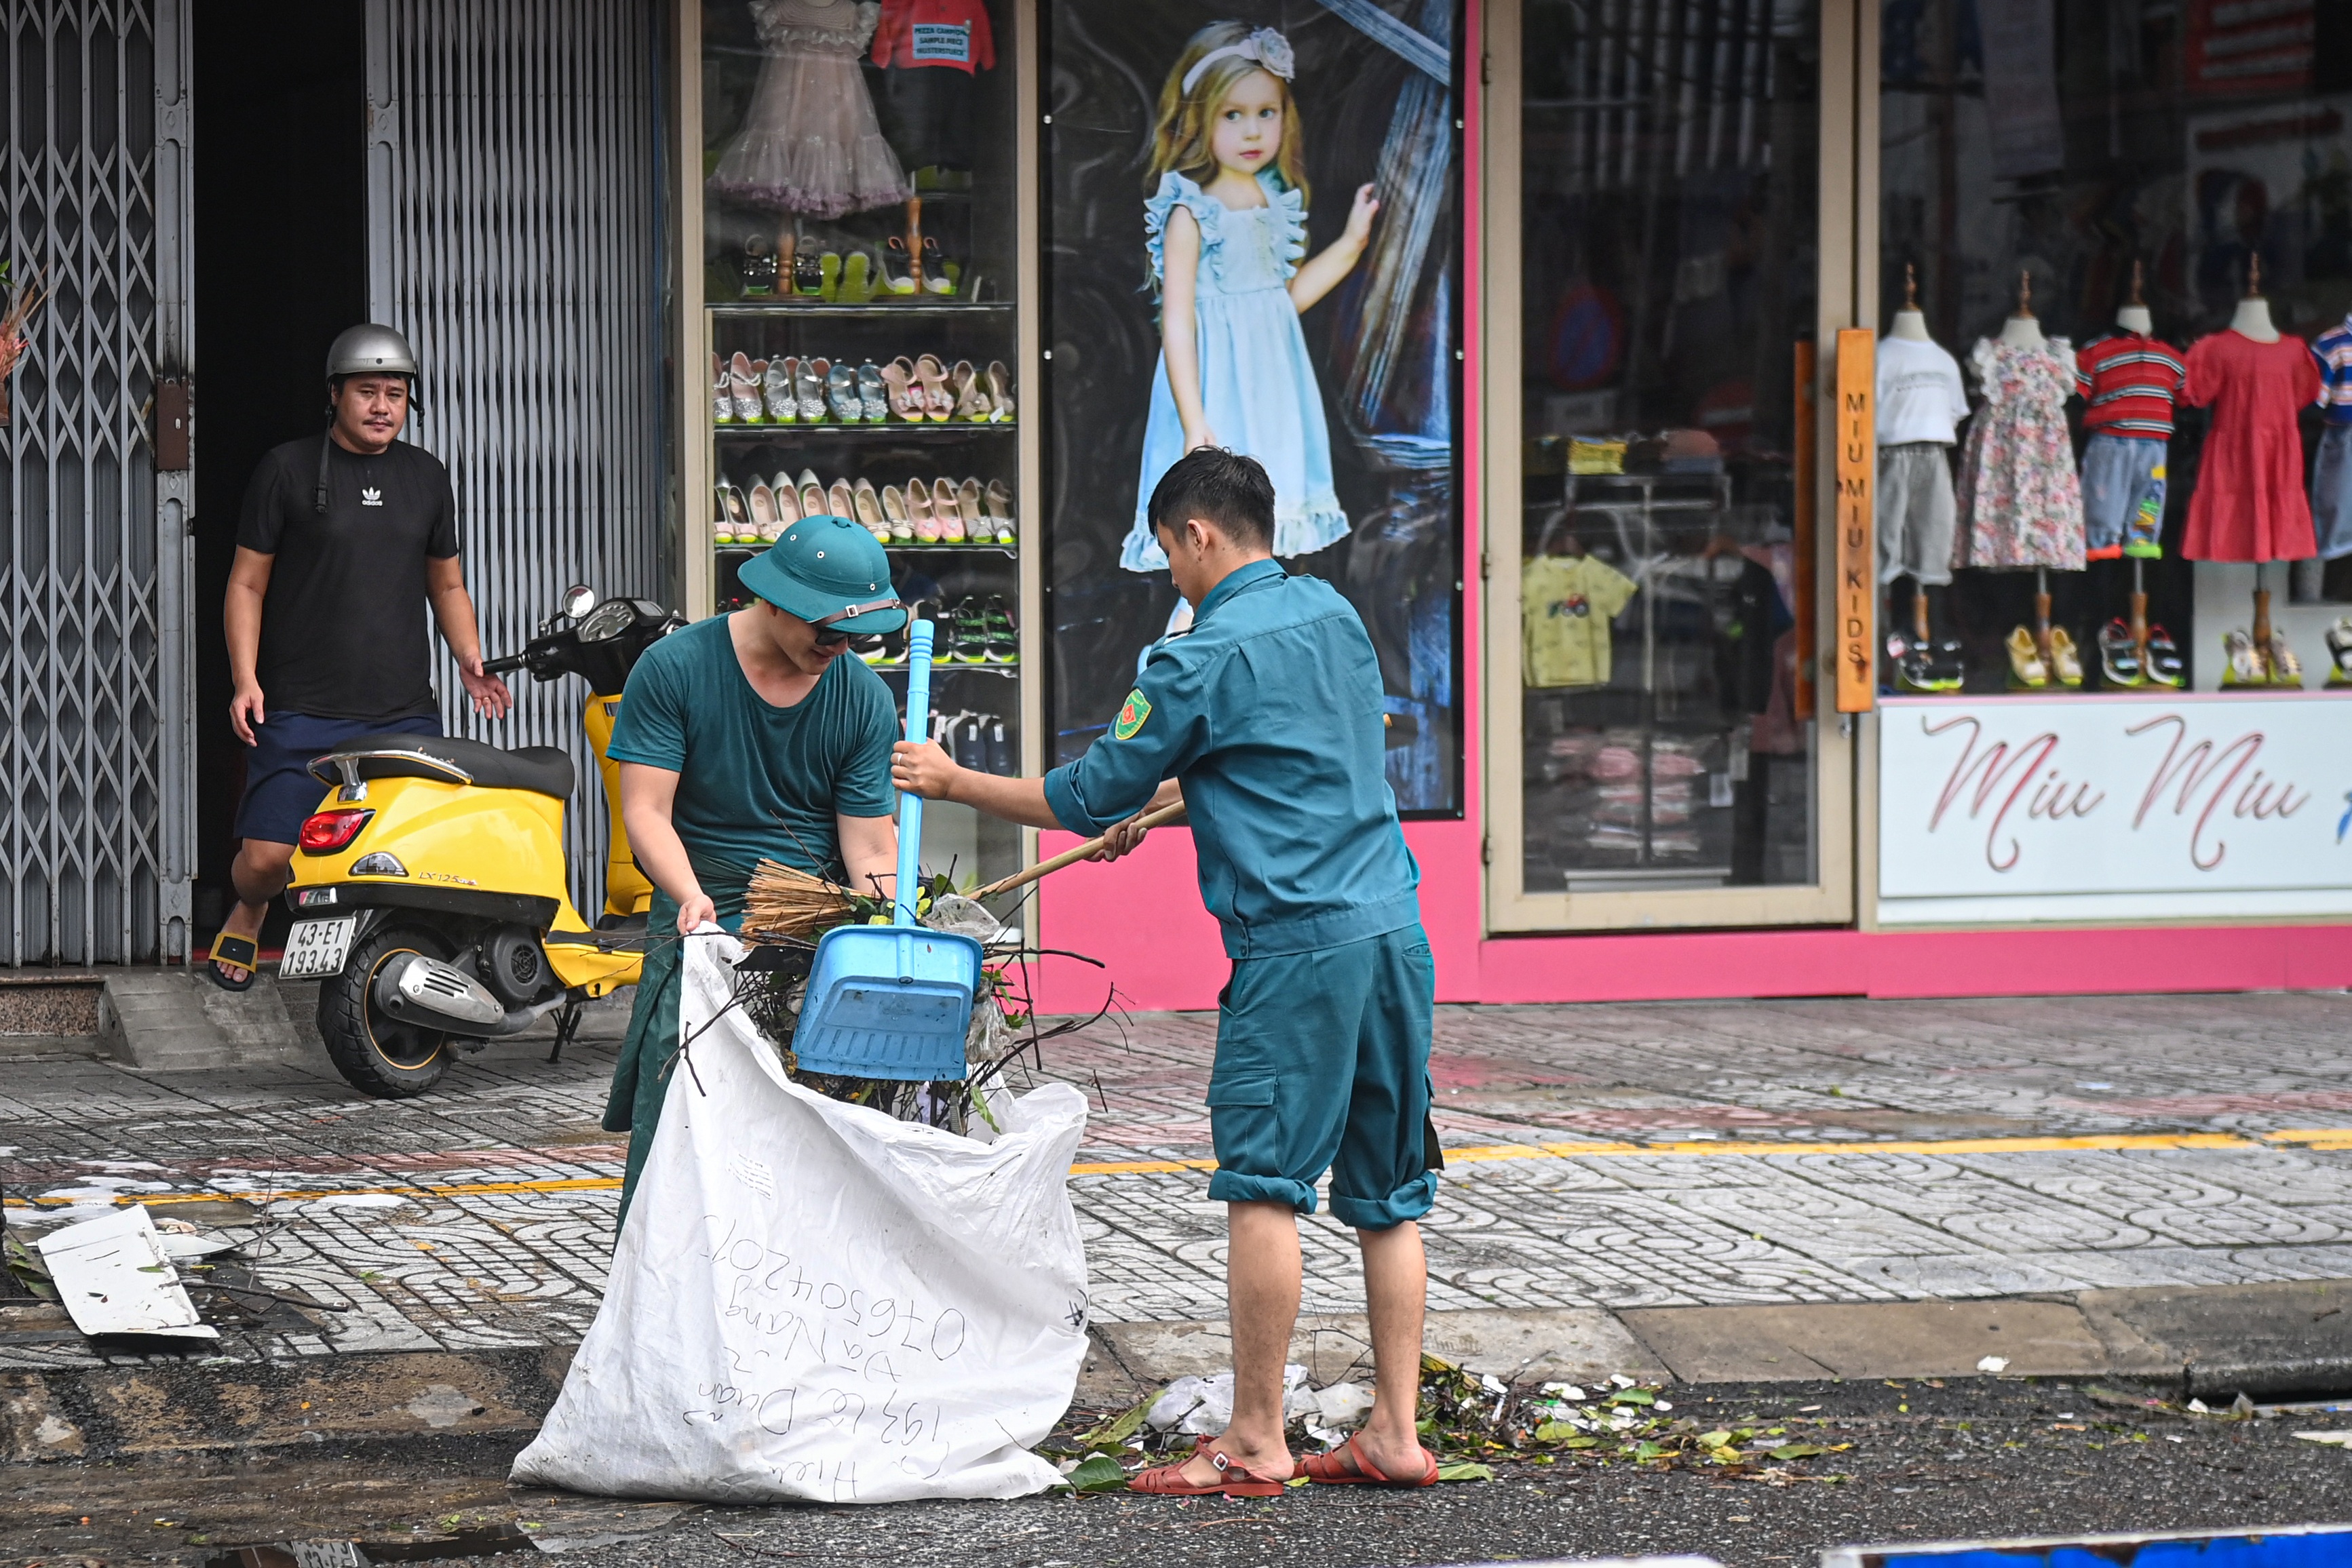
x=1973, y=1460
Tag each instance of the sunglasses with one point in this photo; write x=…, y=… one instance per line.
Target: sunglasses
x=829, y=639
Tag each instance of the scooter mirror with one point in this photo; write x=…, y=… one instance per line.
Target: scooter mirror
x=578, y=599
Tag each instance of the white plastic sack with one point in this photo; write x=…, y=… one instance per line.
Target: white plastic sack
x=814, y=1301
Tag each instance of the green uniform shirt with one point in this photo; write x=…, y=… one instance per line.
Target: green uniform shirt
x=1268, y=712
x=756, y=781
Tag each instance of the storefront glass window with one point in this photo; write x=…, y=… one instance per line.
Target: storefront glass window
x=1668, y=223
x=858, y=229
x=2123, y=232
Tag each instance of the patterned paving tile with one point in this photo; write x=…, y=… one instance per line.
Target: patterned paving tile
x=483, y=1245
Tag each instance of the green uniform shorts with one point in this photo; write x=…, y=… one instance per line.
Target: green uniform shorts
x=1323, y=1064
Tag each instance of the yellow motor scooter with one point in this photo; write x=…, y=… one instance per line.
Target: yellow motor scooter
x=430, y=889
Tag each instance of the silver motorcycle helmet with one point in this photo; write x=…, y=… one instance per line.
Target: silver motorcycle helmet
x=372, y=349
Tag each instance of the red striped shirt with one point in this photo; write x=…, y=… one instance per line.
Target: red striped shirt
x=2129, y=384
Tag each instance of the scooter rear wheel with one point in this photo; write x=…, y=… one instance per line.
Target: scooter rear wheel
x=377, y=1055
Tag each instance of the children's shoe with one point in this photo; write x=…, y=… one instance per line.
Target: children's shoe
x=895, y=513
x=2118, y=655
x=808, y=277
x=2063, y=655
x=873, y=394
x=2026, y=670
x=1948, y=664
x=950, y=515
x=776, y=388
x=722, y=401
x=744, y=386
x=841, y=391
x=2339, y=651
x=839, y=502
x=869, y=511
x=999, y=643
x=2164, y=665
x=808, y=387
x=893, y=266
x=812, y=494
x=919, y=507
x=997, y=501
x=2244, y=665
x=730, y=522
x=828, y=271
x=2286, y=670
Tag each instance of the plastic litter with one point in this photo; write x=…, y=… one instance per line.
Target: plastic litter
x=1203, y=1407
x=814, y=1301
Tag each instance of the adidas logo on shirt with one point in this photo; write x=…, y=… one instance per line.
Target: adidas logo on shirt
x=371, y=496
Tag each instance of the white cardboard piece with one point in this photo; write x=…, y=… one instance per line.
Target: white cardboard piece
x=112, y=1277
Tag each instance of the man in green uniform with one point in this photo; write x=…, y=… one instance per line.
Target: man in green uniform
x=751, y=737
x=1268, y=714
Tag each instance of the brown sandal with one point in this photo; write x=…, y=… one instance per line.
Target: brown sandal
x=1348, y=1465
x=1232, y=1480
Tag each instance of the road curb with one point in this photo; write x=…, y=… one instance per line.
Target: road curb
x=161, y=1406
x=2203, y=1342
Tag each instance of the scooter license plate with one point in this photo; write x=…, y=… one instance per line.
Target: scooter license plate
x=316, y=947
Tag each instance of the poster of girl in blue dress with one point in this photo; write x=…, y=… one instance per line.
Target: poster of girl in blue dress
x=1252, y=234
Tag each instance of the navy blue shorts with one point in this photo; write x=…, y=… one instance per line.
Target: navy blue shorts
x=278, y=789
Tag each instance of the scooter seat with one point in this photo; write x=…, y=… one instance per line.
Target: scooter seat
x=542, y=769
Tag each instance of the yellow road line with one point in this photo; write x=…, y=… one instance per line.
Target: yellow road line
x=2318, y=1138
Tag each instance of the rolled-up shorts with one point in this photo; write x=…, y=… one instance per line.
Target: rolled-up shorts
x=2119, y=474
x=278, y=789
x=1916, y=512
x=2331, y=492
x=1323, y=1064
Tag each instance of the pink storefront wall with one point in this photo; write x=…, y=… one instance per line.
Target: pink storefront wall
x=1141, y=918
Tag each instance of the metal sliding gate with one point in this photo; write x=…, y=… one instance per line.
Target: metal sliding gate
x=515, y=222
x=97, y=768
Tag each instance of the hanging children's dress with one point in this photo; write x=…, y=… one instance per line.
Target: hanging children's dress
x=810, y=143
x=1257, y=385
x=2021, y=500
x=2250, y=502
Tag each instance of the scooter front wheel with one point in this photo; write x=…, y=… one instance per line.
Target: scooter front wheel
x=376, y=1053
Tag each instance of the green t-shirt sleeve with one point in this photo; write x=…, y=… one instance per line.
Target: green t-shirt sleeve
x=862, y=780
x=651, y=728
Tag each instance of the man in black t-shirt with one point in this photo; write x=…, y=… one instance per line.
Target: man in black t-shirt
x=346, y=537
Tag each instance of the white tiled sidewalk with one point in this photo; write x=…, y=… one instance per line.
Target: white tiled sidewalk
x=451, y=1221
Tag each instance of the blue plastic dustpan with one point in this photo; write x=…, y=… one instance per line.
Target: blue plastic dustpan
x=893, y=1001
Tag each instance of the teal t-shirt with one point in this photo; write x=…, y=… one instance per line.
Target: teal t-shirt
x=754, y=780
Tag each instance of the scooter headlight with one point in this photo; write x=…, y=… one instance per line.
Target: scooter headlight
x=329, y=831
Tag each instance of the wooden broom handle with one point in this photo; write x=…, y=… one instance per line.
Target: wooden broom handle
x=1084, y=852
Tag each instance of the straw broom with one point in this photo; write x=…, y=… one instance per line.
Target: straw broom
x=786, y=904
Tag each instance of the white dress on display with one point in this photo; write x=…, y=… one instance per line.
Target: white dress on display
x=810, y=143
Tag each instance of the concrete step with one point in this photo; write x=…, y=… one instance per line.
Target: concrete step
x=174, y=1019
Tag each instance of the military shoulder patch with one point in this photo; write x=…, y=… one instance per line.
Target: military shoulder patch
x=1131, y=715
